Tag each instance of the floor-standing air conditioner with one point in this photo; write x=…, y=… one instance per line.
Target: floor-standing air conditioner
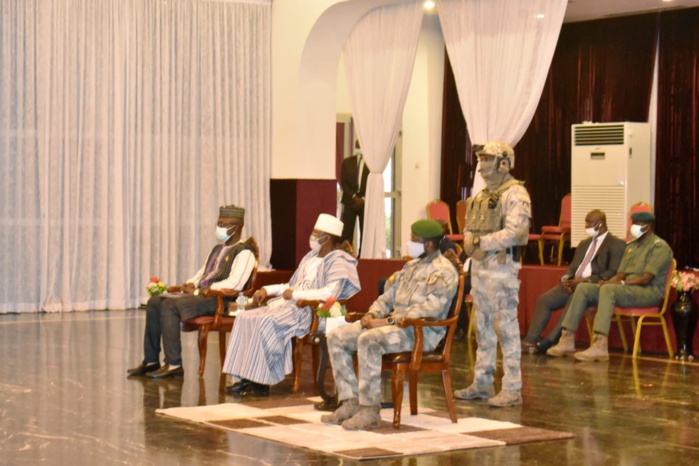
x=610, y=170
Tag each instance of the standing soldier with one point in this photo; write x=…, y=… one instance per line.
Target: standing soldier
x=497, y=225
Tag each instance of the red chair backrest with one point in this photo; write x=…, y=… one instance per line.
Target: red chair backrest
x=439, y=209
x=461, y=215
x=565, y=221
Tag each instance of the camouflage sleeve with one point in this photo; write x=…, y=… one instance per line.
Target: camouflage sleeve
x=384, y=304
x=439, y=292
x=517, y=205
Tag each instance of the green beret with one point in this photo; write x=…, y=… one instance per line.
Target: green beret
x=427, y=229
x=231, y=211
x=643, y=217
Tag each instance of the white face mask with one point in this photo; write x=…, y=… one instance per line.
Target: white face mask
x=415, y=249
x=592, y=231
x=637, y=230
x=222, y=234
x=314, y=243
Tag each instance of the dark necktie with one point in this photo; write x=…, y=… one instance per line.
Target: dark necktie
x=588, y=257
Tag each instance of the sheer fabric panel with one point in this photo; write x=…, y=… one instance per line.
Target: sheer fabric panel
x=124, y=124
x=500, y=51
x=379, y=57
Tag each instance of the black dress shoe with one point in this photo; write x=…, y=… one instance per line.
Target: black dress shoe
x=238, y=387
x=165, y=372
x=255, y=389
x=143, y=369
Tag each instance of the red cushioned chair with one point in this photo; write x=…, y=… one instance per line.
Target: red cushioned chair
x=559, y=233
x=439, y=210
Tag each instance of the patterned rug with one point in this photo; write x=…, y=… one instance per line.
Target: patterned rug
x=294, y=421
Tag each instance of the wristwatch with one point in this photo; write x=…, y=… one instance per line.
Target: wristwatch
x=476, y=241
x=391, y=320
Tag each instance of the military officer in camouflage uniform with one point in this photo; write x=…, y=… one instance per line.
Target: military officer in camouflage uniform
x=424, y=288
x=497, y=224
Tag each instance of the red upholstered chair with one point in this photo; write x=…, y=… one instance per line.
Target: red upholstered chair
x=220, y=321
x=438, y=209
x=637, y=207
x=648, y=316
x=461, y=215
x=417, y=361
x=559, y=233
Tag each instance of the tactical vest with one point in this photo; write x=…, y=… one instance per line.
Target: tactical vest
x=484, y=211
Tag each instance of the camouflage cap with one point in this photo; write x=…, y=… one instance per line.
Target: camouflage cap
x=499, y=149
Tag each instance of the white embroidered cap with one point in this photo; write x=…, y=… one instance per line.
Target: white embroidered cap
x=329, y=224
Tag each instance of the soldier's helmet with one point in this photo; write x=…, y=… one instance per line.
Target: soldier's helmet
x=500, y=150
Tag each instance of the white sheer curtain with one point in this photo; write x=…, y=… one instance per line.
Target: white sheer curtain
x=379, y=57
x=500, y=51
x=124, y=124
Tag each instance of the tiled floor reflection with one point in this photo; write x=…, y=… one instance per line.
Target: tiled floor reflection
x=65, y=399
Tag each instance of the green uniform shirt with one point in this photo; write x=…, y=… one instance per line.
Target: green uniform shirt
x=651, y=254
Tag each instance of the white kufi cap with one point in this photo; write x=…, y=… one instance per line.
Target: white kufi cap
x=329, y=224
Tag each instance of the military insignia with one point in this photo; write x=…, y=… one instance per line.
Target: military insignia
x=227, y=258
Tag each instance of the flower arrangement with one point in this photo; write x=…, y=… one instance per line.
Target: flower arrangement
x=685, y=281
x=331, y=308
x=156, y=287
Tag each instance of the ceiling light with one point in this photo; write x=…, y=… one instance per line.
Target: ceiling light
x=428, y=5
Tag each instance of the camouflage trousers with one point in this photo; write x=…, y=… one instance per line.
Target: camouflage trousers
x=370, y=346
x=495, y=292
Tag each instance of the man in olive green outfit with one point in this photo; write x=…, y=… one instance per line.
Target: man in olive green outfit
x=639, y=282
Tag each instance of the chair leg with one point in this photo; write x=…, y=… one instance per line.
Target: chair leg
x=663, y=324
x=561, y=243
x=297, y=345
x=397, y=381
x=637, y=337
x=471, y=320
x=448, y=395
x=633, y=330
x=412, y=390
x=222, y=346
x=203, y=337
x=620, y=326
x=588, y=321
x=541, y=251
x=315, y=360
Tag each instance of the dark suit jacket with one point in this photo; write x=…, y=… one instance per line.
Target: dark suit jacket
x=606, y=261
x=349, y=179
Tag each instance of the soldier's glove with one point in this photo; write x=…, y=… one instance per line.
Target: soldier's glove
x=468, y=243
x=478, y=254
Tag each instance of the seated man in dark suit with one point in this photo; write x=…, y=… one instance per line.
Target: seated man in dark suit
x=596, y=258
x=229, y=266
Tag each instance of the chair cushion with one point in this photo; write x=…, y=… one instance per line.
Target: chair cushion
x=554, y=229
x=534, y=237
x=636, y=311
x=404, y=358
x=455, y=237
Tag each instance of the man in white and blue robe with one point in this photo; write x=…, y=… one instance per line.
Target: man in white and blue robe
x=259, y=350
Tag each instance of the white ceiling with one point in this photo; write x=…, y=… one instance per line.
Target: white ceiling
x=583, y=10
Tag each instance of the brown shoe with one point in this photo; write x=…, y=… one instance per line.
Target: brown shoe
x=565, y=346
x=598, y=350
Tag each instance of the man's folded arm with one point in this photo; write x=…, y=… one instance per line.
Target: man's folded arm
x=330, y=290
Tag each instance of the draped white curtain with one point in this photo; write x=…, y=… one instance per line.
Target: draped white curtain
x=500, y=51
x=379, y=57
x=124, y=124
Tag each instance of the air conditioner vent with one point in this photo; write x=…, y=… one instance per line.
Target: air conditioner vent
x=599, y=135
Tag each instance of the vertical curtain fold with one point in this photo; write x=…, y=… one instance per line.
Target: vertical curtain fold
x=123, y=125
x=677, y=168
x=500, y=51
x=379, y=57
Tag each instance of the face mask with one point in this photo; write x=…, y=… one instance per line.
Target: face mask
x=488, y=169
x=415, y=249
x=592, y=231
x=637, y=230
x=314, y=243
x=222, y=234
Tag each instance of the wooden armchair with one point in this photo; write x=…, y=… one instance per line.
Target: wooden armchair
x=220, y=321
x=418, y=361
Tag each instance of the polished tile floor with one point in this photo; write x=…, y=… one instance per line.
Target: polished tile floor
x=64, y=399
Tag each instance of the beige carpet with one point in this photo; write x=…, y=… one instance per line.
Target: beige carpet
x=293, y=421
